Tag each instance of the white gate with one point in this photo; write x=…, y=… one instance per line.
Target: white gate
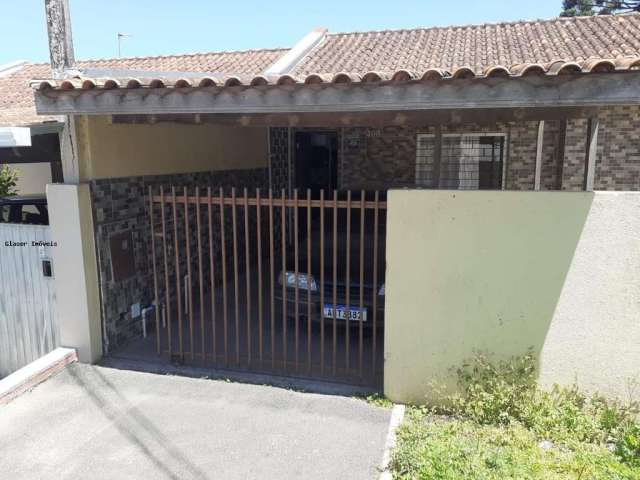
x=28, y=327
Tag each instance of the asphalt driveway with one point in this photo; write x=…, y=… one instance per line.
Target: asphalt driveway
x=95, y=422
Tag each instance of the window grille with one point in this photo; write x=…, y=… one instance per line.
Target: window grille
x=468, y=161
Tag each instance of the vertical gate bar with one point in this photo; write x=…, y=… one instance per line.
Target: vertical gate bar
x=375, y=281
x=283, y=228
x=167, y=293
x=296, y=269
x=272, y=281
x=322, y=212
x=335, y=281
x=177, y=268
x=308, y=280
x=223, y=253
x=360, y=323
x=247, y=262
x=347, y=323
x=155, y=270
x=259, y=252
x=212, y=278
x=200, y=274
x=189, y=293
x=234, y=220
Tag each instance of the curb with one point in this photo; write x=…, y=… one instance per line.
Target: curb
x=397, y=415
x=35, y=373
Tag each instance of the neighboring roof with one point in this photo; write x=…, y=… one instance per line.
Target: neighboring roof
x=16, y=97
x=17, y=106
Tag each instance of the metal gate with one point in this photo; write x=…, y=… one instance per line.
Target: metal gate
x=285, y=285
x=28, y=327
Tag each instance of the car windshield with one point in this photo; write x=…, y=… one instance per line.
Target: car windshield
x=348, y=244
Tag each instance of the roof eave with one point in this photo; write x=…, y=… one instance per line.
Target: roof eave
x=594, y=89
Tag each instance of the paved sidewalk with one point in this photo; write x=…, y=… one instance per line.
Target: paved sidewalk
x=95, y=422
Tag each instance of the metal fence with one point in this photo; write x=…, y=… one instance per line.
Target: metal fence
x=271, y=283
x=28, y=328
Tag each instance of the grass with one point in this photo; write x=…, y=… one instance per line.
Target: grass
x=376, y=399
x=503, y=426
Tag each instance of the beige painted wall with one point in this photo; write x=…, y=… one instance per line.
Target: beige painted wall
x=33, y=177
x=508, y=271
x=109, y=150
x=75, y=269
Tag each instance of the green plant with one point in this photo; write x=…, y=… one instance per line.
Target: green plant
x=8, y=181
x=376, y=399
x=505, y=393
x=434, y=447
x=628, y=445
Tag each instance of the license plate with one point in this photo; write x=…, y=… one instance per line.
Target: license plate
x=353, y=314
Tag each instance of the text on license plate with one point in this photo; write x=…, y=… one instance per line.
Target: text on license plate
x=342, y=313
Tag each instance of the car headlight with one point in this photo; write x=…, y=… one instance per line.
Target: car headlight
x=302, y=280
x=381, y=291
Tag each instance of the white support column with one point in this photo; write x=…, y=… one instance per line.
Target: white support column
x=69, y=151
x=539, y=143
x=590, y=159
x=75, y=269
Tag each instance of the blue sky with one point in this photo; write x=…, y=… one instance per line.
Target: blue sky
x=181, y=26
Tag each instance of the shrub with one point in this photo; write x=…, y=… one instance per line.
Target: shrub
x=628, y=445
x=8, y=181
x=505, y=393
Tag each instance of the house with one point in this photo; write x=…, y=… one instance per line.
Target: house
x=28, y=142
x=205, y=189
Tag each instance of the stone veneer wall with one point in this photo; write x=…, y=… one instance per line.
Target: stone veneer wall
x=279, y=158
x=120, y=205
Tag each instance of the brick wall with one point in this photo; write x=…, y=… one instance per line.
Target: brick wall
x=618, y=154
x=382, y=158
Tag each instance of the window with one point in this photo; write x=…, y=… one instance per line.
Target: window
x=467, y=161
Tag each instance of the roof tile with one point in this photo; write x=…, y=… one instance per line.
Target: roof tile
x=16, y=97
x=560, y=45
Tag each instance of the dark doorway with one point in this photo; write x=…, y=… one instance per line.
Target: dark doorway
x=316, y=161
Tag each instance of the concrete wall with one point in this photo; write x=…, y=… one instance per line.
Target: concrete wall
x=33, y=177
x=125, y=150
x=75, y=269
x=507, y=271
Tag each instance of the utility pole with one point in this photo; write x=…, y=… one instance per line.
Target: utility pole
x=60, y=39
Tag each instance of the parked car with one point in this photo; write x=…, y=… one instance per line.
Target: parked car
x=26, y=209
x=311, y=285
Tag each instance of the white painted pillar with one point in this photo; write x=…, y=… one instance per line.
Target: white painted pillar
x=75, y=269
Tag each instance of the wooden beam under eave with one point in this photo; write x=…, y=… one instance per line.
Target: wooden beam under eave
x=369, y=119
x=591, y=153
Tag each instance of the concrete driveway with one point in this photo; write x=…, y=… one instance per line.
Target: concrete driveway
x=95, y=422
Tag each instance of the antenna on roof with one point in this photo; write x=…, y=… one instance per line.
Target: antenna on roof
x=120, y=37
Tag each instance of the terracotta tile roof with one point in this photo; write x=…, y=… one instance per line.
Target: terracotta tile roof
x=478, y=47
x=16, y=97
x=550, y=47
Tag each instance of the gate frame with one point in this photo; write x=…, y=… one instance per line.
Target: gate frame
x=258, y=202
